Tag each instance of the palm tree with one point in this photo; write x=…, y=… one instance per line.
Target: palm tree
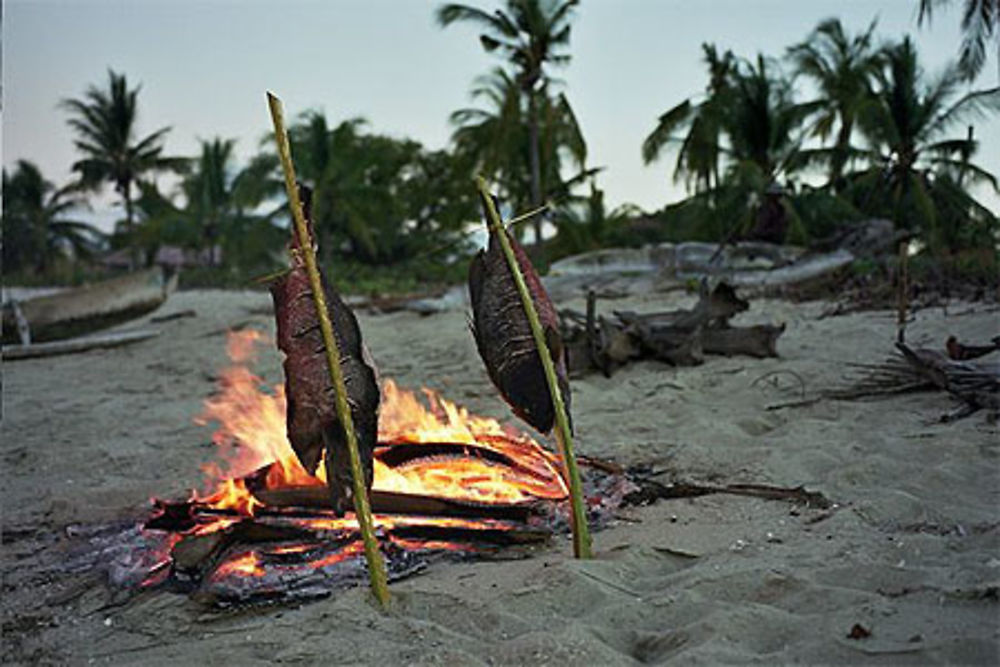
x=35, y=226
x=105, y=123
x=494, y=136
x=587, y=224
x=494, y=139
x=223, y=203
x=699, y=151
x=762, y=120
x=209, y=192
x=912, y=160
x=980, y=20
x=749, y=128
x=334, y=162
x=844, y=69
x=530, y=34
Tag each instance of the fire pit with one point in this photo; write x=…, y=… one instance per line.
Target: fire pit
x=447, y=484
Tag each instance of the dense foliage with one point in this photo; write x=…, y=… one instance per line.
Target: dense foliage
x=878, y=137
x=878, y=140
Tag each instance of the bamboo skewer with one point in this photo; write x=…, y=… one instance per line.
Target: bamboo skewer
x=564, y=439
x=362, y=510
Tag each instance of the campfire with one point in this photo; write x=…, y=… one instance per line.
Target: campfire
x=447, y=484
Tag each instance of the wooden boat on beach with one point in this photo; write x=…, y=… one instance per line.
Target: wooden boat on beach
x=85, y=309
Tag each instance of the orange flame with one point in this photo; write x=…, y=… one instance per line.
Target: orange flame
x=251, y=435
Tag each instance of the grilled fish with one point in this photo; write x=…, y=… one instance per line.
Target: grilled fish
x=503, y=334
x=313, y=427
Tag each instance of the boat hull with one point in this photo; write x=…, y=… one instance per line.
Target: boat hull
x=82, y=310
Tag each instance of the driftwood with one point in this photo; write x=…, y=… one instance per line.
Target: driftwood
x=679, y=337
x=158, y=319
x=756, y=341
x=13, y=352
x=976, y=385
x=964, y=352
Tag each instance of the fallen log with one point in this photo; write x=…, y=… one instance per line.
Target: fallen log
x=51, y=349
x=964, y=352
x=757, y=341
x=678, y=337
x=159, y=319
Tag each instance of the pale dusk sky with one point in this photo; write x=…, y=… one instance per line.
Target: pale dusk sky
x=204, y=67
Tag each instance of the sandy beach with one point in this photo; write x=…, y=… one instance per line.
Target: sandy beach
x=910, y=552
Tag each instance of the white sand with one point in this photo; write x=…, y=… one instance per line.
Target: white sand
x=912, y=553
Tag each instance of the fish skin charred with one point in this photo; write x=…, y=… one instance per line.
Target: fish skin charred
x=504, y=339
x=311, y=421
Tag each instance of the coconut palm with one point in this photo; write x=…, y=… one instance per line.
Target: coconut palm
x=334, y=162
x=586, y=224
x=494, y=139
x=844, y=69
x=493, y=136
x=531, y=34
x=105, y=122
x=980, y=20
x=223, y=202
x=742, y=140
x=906, y=125
x=699, y=150
x=36, y=228
x=209, y=192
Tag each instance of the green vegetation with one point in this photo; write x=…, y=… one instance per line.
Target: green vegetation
x=36, y=229
x=104, y=122
x=877, y=141
x=531, y=35
x=878, y=137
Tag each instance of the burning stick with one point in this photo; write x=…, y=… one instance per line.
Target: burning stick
x=376, y=566
x=581, y=534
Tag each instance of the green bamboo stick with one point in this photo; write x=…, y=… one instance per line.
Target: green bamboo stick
x=564, y=439
x=362, y=509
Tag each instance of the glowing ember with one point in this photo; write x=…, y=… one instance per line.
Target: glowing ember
x=251, y=435
x=247, y=565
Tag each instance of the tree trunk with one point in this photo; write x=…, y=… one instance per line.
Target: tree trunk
x=133, y=260
x=536, y=170
x=840, y=155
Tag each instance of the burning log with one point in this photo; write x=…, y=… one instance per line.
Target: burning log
x=197, y=553
x=392, y=502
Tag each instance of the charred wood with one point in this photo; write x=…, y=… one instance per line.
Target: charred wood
x=391, y=502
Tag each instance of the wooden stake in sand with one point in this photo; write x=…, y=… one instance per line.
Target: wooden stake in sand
x=362, y=510
x=904, y=289
x=581, y=533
